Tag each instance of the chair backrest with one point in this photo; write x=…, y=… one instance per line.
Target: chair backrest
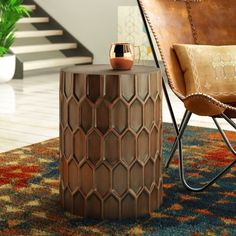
x=210, y=22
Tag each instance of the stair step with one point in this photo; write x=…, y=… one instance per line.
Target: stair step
x=56, y=62
x=33, y=20
x=42, y=48
x=37, y=33
x=30, y=7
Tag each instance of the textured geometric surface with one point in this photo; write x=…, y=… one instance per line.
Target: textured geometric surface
x=29, y=196
x=111, y=152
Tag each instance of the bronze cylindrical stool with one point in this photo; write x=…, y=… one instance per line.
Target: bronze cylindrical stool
x=110, y=141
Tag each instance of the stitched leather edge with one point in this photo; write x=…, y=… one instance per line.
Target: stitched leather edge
x=211, y=100
x=190, y=18
x=160, y=50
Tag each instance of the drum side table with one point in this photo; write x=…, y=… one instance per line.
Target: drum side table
x=110, y=141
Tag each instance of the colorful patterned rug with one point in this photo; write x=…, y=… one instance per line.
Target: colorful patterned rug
x=29, y=198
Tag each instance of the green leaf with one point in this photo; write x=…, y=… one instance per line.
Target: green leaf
x=3, y=51
x=10, y=12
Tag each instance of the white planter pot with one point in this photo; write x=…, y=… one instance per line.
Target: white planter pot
x=7, y=67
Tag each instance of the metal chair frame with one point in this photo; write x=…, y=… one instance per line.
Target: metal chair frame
x=180, y=129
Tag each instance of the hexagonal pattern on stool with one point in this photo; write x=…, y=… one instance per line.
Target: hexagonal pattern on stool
x=128, y=206
x=159, y=140
x=120, y=179
x=94, y=147
x=111, y=207
x=154, y=198
x=68, y=141
x=68, y=200
x=73, y=175
x=79, y=203
x=64, y=171
x=102, y=117
x=149, y=174
x=68, y=85
x=111, y=148
x=86, y=176
x=142, y=86
x=158, y=169
x=94, y=207
x=136, y=115
x=79, y=145
x=79, y=86
x=136, y=177
x=102, y=179
x=63, y=111
x=143, y=203
x=128, y=147
x=127, y=87
x=86, y=115
x=155, y=86
x=143, y=146
x=93, y=87
x=73, y=112
x=149, y=114
x=110, y=142
x=119, y=116
x=158, y=115
x=112, y=87
x=154, y=138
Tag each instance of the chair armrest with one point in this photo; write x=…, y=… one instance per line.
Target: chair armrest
x=205, y=105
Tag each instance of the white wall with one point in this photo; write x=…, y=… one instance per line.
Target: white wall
x=93, y=22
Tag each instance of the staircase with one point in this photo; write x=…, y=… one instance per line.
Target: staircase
x=42, y=43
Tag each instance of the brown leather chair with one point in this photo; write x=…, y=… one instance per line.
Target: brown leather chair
x=204, y=22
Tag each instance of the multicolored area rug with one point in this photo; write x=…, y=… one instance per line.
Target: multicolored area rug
x=29, y=197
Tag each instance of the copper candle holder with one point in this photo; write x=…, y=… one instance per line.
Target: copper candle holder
x=121, y=56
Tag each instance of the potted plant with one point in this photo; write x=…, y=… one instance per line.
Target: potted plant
x=10, y=12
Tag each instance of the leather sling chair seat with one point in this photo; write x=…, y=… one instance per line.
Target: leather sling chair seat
x=203, y=22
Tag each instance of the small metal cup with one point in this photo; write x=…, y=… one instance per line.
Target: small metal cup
x=121, y=56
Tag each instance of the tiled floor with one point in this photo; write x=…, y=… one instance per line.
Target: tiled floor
x=29, y=111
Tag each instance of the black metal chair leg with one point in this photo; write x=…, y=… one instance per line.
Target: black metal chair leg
x=199, y=189
x=224, y=137
x=170, y=107
x=228, y=120
x=184, y=122
x=181, y=166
